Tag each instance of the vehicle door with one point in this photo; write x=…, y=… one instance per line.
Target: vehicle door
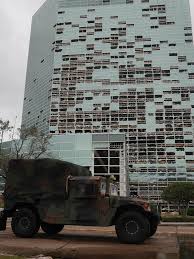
x=82, y=202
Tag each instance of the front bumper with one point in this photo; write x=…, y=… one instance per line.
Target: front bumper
x=3, y=221
x=154, y=218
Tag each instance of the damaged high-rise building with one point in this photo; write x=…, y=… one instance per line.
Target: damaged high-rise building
x=117, y=67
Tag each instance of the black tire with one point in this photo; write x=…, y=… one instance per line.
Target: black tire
x=25, y=223
x=51, y=229
x=132, y=228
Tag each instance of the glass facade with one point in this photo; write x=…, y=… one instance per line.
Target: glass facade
x=36, y=107
x=117, y=66
x=102, y=154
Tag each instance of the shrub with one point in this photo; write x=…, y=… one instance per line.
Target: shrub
x=179, y=193
x=190, y=212
x=1, y=201
x=153, y=207
x=177, y=219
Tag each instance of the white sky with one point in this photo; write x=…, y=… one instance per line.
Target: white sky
x=15, y=23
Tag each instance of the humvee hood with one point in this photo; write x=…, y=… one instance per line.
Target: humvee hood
x=133, y=201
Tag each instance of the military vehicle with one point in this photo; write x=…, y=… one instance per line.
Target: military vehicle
x=50, y=193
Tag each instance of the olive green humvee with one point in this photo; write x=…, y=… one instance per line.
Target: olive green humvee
x=50, y=193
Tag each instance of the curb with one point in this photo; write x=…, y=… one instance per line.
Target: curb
x=179, y=224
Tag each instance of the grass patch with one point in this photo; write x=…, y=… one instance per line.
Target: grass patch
x=1, y=205
x=177, y=219
x=1, y=202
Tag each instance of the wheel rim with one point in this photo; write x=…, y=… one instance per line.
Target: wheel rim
x=132, y=227
x=24, y=223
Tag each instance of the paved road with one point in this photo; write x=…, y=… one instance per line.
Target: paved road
x=89, y=243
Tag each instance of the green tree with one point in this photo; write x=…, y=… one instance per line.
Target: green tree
x=180, y=194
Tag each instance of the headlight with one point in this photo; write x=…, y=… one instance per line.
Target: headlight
x=103, y=188
x=146, y=206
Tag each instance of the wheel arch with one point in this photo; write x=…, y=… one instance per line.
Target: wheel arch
x=21, y=205
x=124, y=208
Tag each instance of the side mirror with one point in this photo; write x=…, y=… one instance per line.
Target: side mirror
x=67, y=185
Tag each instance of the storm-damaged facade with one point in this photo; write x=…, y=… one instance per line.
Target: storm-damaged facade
x=118, y=67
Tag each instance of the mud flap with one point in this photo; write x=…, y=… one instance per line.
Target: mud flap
x=3, y=221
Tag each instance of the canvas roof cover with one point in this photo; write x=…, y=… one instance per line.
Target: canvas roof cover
x=40, y=176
